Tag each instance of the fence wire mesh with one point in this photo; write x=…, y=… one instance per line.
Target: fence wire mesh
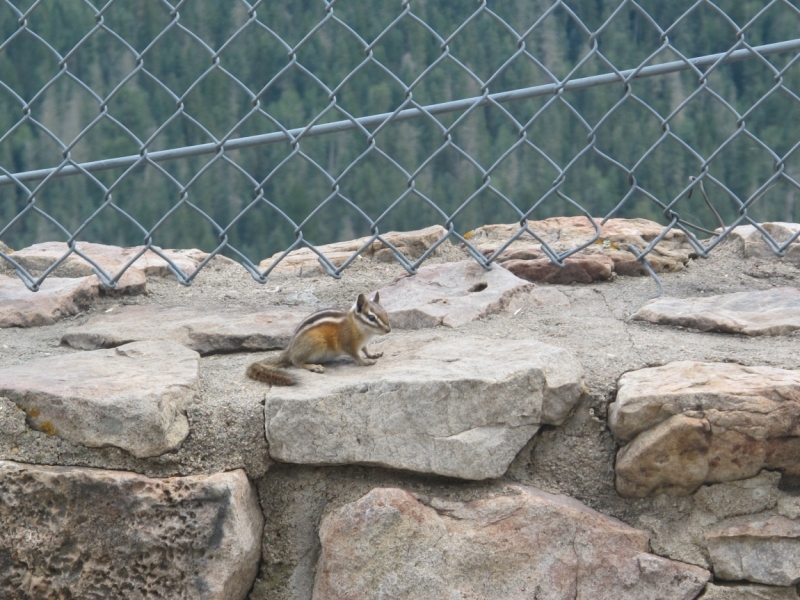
x=761, y=120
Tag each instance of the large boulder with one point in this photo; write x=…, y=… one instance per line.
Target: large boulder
x=461, y=408
x=763, y=551
x=133, y=397
x=767, y=312
x=205, y=329
x=689, y=423
x=451, y=294
x=70, y=532
x=527, y=544
x=305, y=262
x=57, y=298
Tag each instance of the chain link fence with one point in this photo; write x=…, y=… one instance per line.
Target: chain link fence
x=385, y=45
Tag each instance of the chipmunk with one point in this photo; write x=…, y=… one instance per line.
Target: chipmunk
x=324, y=336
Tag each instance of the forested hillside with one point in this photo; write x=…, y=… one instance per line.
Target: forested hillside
x=141, y=107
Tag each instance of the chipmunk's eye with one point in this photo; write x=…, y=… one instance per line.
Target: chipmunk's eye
x=372, y=318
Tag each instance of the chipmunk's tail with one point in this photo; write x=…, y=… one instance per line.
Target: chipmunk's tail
x=269, y=371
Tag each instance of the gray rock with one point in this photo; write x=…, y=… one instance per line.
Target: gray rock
x=450, y=294
x=57, y=298
x=748, y=592
x=689, y=423
x=528, y=544
x=756, y=246
x=678, y=533
x=132, y=397
x=12, y=419
x=767, y=312
x=736, y=498
x=752, y=243
x=69, y=532
x=762, y=551
x=207, y=330
x=789, y=506
x=460, y=408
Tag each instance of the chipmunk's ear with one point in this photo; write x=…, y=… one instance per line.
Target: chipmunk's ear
x=377, y=298
x=360, y=302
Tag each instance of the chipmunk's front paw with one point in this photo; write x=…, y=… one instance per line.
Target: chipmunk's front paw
x=367, y=363
x=376, y=355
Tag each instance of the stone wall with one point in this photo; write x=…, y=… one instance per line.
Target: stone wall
x=524, y=435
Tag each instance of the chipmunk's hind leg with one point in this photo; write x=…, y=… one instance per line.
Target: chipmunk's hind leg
x=311, y=367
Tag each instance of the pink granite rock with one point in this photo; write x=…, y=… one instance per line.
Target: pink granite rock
x=689, y=423
x=766, y=312
x=526, y=544
x=38, y=257
x=58, y=297
x=576, y=269
x=609, y=252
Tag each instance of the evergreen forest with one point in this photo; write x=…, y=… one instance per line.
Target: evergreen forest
x=145, y=79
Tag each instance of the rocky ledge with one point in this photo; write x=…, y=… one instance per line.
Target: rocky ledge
x=431, y=406
x=133, y=397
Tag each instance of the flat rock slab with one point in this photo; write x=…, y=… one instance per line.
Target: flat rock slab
x=451, y=294
x=305, y=262
x=461, y=408
x=528, y=544
x=39, y=257
x=747, y=592
x=688, y=423
x=206, y=330
x=57, y=298
x=69, y=532
x=763, y=551
x=753, y=244
x=132, y=397
x=595, y=262
x=768, y=312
